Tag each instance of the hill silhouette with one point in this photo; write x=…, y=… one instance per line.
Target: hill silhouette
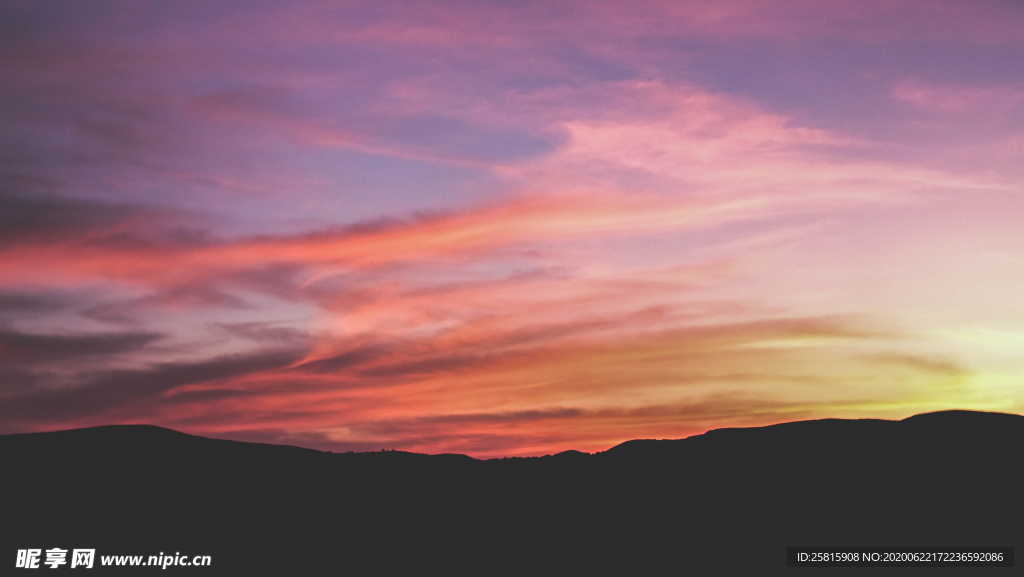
x=724, y=502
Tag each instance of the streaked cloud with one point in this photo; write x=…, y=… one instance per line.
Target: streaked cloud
x=506, y=229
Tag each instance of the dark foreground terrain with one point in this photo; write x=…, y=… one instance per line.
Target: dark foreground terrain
x=726, y=502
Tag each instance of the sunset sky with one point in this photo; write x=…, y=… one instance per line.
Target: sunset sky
x=507, y=228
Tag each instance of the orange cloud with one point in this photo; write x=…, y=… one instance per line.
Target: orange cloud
x=525, y=221
x=484, y=397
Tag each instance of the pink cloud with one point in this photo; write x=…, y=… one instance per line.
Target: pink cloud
x=958, y=99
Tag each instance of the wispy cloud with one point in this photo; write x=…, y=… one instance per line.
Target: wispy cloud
x=506, y=229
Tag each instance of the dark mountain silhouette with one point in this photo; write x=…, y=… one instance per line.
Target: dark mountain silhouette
x=725, y=502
